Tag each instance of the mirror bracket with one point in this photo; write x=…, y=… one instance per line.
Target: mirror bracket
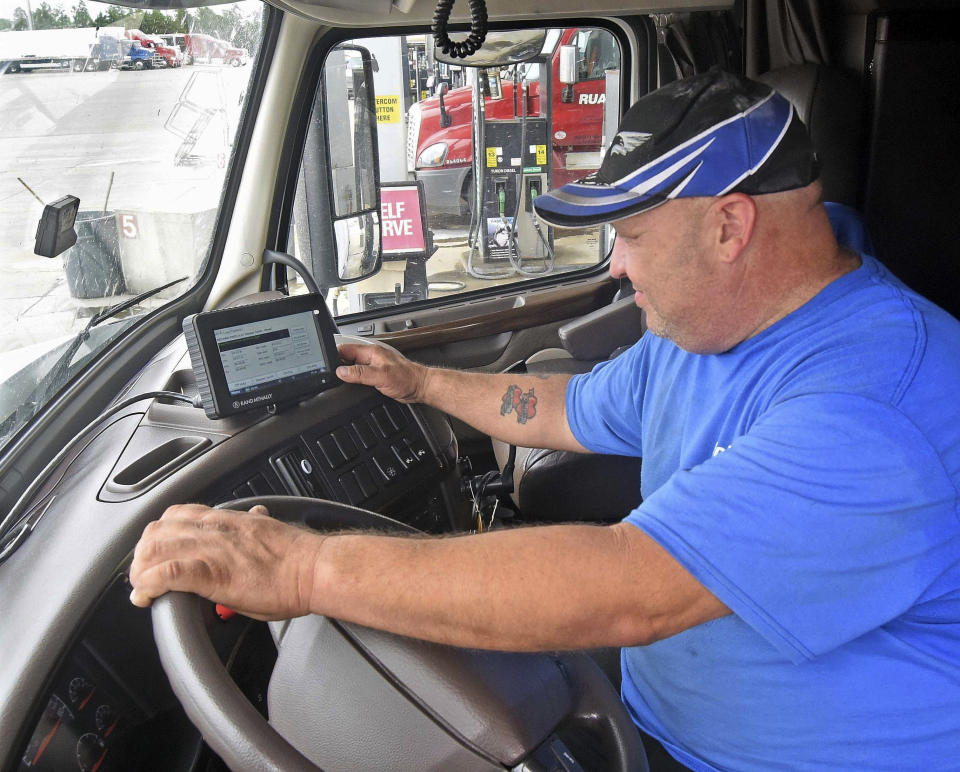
x=445, y=119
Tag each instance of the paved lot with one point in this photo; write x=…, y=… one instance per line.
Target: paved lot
x=99, y=136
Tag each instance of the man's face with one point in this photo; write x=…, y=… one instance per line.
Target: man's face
x=664, y=253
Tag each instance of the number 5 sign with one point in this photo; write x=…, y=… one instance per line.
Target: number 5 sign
x=129, y=227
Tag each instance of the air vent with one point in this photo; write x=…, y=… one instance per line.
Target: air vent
x=297, y=473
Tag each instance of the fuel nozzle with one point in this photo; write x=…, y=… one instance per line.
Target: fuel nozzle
x=502, y=197
x=533, y=190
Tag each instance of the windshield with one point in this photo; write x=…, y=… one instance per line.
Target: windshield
x=143, y=141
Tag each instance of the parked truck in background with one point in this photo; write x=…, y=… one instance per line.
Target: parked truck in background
x=80, y=48
x=169, y=56
x=178, y=41
x=198, y=47
x=439, y=145
x=233, y=55
x=134, y=56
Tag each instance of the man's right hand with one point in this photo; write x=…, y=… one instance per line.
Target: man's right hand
x=389, y=372
x=534, y=416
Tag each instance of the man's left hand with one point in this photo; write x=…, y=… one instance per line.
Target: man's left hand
x=248, y=561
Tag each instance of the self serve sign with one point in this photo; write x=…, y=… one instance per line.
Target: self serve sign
x=402, y=220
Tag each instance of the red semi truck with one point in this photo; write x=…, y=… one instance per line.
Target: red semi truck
x=206, y=48
x=439, y=149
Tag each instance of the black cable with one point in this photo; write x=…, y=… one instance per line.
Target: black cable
x=273, y=257
x=478, y=29
x=9, y=545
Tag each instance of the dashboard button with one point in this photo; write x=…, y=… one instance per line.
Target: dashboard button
x=243, y=492
x=259, y=485
x=411, y=434
x=362, y=427
x=419, y=449
x=399, y=414
x=404, y=455
x=382, y=422
x=331, y=451
x=351, y=488
x=387, y=465
x=365, y=481
x=345, y=442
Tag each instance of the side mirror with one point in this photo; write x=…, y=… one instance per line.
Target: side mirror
x=568, y=72
x=568, y=65
x=354, y=171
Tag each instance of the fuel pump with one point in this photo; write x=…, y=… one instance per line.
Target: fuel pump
x=512, y=166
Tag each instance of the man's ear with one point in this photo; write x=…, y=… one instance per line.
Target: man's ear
x=734, y=217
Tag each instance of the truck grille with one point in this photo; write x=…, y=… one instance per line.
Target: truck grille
x=158, y=61
x=413, y=135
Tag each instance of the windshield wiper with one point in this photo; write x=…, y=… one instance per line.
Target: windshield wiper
x=112, y=311
x=56, y=373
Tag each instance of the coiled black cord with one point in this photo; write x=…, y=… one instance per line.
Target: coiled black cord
x=478, y=29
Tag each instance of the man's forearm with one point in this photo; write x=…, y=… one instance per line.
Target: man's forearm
x=521, y=409
x=528, y=589
x=549, y=587
x=518, y=408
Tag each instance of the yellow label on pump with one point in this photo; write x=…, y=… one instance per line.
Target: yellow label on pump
x=388, y=109
x=492, y=157
x=541, y=155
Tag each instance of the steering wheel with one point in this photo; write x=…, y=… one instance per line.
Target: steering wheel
x=343, y=696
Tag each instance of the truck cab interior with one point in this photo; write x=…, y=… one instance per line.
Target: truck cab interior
x=346, y=119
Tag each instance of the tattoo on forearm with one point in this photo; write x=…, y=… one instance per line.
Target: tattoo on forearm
x=515, y=401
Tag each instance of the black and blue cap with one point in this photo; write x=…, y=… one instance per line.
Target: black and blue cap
x=707, y=135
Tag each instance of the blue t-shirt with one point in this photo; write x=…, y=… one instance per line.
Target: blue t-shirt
x=808, y=478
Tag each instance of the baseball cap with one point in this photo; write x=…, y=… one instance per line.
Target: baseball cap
x=705, y=135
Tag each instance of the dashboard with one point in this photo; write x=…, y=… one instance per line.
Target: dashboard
x=82, y=687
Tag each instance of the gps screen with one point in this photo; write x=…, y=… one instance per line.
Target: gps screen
x=270, y=352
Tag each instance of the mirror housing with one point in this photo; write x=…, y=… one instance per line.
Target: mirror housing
x=501, y=49
x=568, y=65
x=568, y=72
x=55, y=231
x=353, y=166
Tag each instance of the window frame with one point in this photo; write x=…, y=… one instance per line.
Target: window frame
x=622, y=28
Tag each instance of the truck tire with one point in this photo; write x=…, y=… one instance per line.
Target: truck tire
x=138, y=65
x=14, y=67
x=78, y=65
x=234, y=62
x=466, y=195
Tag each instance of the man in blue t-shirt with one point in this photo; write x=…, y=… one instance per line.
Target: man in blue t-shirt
x=788, y=593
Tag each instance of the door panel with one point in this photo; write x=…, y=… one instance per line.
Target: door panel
x=483, y=334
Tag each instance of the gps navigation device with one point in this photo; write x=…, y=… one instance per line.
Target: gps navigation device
x=267, y=353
